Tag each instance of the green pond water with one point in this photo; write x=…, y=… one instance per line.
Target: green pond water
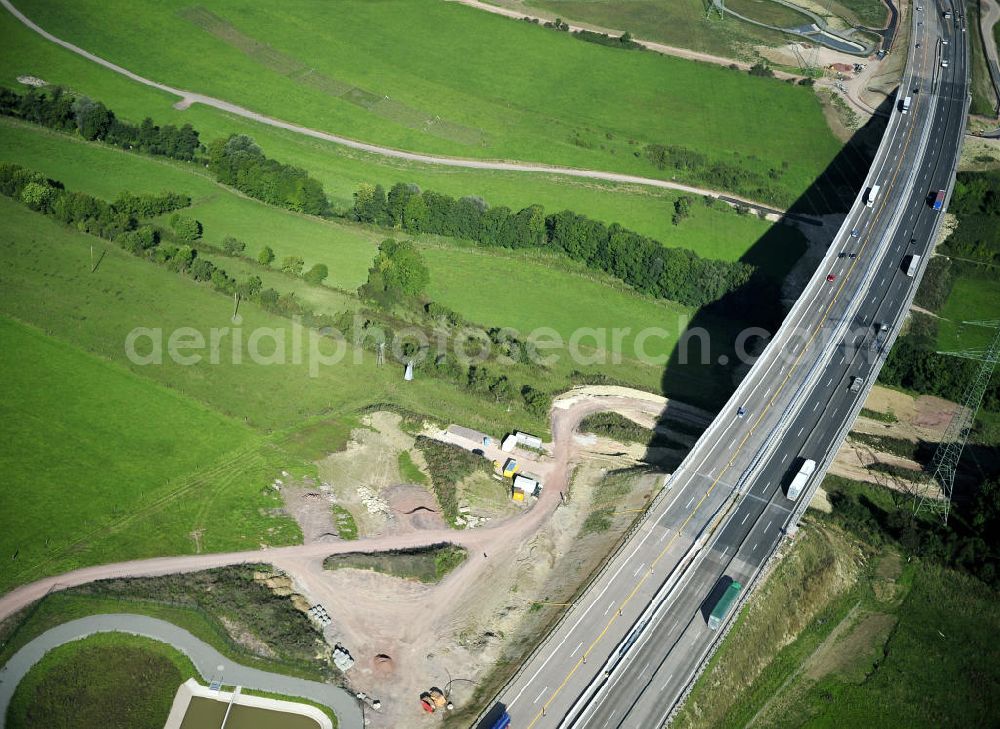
x=205, y=713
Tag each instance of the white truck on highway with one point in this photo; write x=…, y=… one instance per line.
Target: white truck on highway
x=801, y=479
x=871, y=194
x=913, y=265
x=906, y=103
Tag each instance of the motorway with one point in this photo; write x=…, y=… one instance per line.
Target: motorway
x=627, y=650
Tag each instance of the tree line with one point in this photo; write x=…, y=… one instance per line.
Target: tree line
x=239, y=162
x=642, y=262
x=58, y=109
x=236, y=160
x=398, y=266
x=119, y=221
x=623, y=41
x=737, y=179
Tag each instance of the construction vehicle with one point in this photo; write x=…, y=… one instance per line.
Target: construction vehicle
x=507, y=469
x=724, y=605
x=431, y=701
x=801, y=479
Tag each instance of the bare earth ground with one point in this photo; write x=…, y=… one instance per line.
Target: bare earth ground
x=405, y=636
x=922, y=418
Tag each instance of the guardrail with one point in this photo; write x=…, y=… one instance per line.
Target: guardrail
x=829, y=454
x=739, y=395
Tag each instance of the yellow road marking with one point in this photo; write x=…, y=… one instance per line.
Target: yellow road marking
x=795, y=363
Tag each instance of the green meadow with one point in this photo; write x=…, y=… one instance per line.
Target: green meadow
x=490, y=287
x=647, y=210
x=972, y=298
x=347, y=249
x=88, y=443
x=496, y=89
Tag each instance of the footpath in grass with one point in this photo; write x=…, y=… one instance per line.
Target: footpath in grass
x=87, y=442
x=497, y=88
x=644, y=209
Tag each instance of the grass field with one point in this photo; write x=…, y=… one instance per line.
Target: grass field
x=342, y=170
x=681, y=23
x=473, y=96
x=96, y=312
x=487, y=286
x=972, y=298
x=80, y=684
x=104, y=171
x=863, y=648
x=81, y=450
x=346, y=249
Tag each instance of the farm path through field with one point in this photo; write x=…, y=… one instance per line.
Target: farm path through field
x=304, y=562
x=400, y=618
x=666, y=50
x=188, y=98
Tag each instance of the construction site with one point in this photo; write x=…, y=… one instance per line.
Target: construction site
x=535, y=521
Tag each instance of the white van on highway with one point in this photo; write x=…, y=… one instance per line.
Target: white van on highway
x=871, y=194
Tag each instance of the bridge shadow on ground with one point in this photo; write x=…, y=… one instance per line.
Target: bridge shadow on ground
x=722, y=340
x=704, y=368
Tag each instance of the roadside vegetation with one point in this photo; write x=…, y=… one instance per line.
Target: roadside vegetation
x=422, y=103
x=448, y=464
x=984, y=100
x=870, y=634
x=886, y=601
x=228, y=608
x=960, y=285
x=428, y=565
x=607, y=496
x=618, y=427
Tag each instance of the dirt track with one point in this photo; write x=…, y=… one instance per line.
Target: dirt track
x=310, y=556
x=188, y=98
x=663, y=48
x=376, y=614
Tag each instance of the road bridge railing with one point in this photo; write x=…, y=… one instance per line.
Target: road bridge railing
x=830, y=452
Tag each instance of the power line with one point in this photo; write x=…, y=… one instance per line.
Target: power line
x=944, y=465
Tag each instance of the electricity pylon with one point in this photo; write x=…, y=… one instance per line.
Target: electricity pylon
x=944, y=465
